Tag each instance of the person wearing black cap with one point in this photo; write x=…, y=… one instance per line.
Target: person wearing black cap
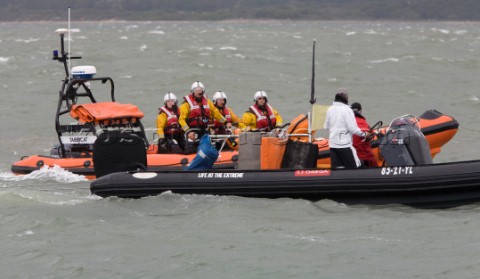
x=363, y=147
x=341, y=124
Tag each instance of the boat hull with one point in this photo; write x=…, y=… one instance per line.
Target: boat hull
x=85, y=166
x=430, y=186
x=80, y=166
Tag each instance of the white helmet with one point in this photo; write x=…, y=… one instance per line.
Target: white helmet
x=169, y=96
x=197, y=84
x=259, y=94
x=219, y=95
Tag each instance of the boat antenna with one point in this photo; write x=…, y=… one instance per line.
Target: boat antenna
x=312, y=96
x=312, y=92
x=69, y=40
x=64, y=56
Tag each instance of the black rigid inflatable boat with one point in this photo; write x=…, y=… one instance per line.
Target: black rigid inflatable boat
x=409, y=177
x=427, y=186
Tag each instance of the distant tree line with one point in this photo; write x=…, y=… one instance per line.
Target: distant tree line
x=22, y=10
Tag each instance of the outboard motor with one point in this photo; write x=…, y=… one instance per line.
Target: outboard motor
x=116, y=151
x=404, y=144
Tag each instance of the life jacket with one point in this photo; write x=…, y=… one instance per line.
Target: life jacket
x=268, y=121
x=363, y=148
x=199, y=112
x=171, y=127
x=220, y=127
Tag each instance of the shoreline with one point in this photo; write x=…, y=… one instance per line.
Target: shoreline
x=245, y=20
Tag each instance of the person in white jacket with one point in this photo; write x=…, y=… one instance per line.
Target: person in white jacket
x=341, y=125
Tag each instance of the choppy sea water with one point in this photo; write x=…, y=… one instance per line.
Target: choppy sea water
x=51, y=227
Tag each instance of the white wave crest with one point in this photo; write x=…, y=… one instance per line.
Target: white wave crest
x=158, y=32
x=55, y=173
x=443, y=31
x=24, y=233
x=47, y=197
x=228, y=48
x=391, y=59
x=238, y=55
x=4, y=60
x=30, y=40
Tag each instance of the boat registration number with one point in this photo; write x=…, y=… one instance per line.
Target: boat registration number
x=397, y=170
x=78, y=139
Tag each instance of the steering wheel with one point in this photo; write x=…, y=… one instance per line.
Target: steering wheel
x=376, y=126
x=373, y=130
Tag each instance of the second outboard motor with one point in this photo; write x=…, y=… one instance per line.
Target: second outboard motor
x=405, y=145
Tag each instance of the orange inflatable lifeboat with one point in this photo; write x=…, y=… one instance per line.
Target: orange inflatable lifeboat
x=74, y=151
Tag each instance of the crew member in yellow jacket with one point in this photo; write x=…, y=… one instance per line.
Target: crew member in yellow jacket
x=220, y=101
x=261, y=116
x=195, y=114
x=170, y=136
